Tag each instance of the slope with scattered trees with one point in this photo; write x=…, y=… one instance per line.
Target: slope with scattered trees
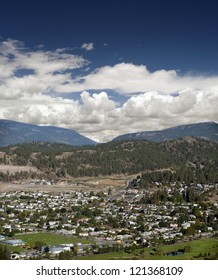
x=188, y=158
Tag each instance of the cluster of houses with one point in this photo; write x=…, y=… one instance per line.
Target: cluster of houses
x=101, y=217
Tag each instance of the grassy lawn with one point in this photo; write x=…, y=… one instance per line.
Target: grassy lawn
x=202, y=246
x=208, y=245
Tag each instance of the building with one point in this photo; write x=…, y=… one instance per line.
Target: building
x=57, y=249
x=15, y=242
x=2, y=237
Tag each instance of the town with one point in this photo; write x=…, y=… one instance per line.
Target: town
x=101, y=221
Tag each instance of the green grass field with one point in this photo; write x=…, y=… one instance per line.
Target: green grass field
x=203, y=246
x=49, y=239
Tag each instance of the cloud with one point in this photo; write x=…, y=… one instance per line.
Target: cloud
x=49, y=69
x=127, y=78
x=15, y=56
x=154, y=100
x=152, y=110
x=87, y=46
x=102, y=119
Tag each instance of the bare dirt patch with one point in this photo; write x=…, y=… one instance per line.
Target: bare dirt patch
x=63, y=188
x=12, y=169
x=96, y=184
x=213, y=196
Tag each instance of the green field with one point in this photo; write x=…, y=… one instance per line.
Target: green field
x=205, y=247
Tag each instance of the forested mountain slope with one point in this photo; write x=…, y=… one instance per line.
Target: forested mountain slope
x=128, y=157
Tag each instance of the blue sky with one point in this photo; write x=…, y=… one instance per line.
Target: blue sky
x=106, y=68
x=160, y=34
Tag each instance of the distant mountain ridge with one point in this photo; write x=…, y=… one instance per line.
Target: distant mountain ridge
x=12, y=132
x=207, y=130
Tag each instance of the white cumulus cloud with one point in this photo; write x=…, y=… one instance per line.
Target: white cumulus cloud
x=87, y=46
x=102, y=119
x=154, y=100
x=127, y=78
x=49, y=69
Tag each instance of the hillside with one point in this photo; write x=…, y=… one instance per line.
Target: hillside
x=195, y=161
x=12, y=133
x=207, y=130
x=130, y=157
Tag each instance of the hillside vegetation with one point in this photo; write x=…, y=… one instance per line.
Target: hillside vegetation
x=130, y=157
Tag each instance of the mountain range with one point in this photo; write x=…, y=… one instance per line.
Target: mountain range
x=12, y=133
x=207, y=130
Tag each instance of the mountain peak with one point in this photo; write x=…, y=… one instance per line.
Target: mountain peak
x=207, y=130
x=13, y=132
